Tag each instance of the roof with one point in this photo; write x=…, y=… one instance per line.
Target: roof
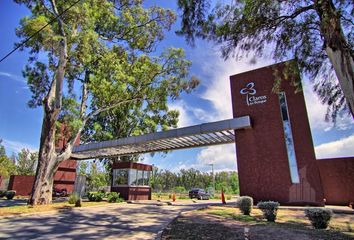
x=206, y=134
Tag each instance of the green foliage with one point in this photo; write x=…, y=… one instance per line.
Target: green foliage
x=73, y=198
x=113, y=197
x=296, y=29
x=180, y=189
x=269, y=209
x=319, y=217
x=95, y=196
x=97, y=178
x=110, y=55
x=26, y=162
x=2, y=149
x=10, y=194
x=245, y=203
x=7, y=167
x=186, y=179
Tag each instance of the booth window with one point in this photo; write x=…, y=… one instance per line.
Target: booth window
x=120, y=177
x=133, y=177
x=289, y=142
x=130, y=177
x=147, y=178
x=140, y=177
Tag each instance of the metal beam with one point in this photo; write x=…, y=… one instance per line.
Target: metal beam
x=166, y=140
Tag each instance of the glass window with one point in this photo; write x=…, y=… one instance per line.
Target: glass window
x=140, y=177
x=120, y=177
x=289, y=142
x=133, y=177
x=147, y=178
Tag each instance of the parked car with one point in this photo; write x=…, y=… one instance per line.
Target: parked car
x=199, y=193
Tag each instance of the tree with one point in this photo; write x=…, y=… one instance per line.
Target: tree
x=2, y=149
x=99, y=57
x=7, y=166
x=317, y=33
x=97, y=179
x=26, y=162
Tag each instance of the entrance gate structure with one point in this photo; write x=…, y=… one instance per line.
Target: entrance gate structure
x=274, y=148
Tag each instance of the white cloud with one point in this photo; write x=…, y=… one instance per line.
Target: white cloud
x=184, y=116
x=13, y=77
x=15, y=146
x=188, y=114
x=316, y=112
x=340, y=148
x=217, y=81
x=222, y=156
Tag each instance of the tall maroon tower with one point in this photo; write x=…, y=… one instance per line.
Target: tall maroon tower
x=276, y=159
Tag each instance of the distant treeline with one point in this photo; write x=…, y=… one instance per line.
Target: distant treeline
x=185, y=179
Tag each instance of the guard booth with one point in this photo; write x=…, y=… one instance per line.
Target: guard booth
x=131, y=180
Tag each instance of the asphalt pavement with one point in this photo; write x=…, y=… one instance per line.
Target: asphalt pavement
x=139, y=220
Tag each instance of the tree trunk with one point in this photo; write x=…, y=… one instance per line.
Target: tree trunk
x=337, y=49
x=47, y=161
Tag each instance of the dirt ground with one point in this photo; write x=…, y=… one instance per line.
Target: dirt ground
x=206, y=225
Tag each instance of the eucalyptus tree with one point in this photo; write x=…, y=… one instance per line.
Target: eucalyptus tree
x=26, y=162
x=317, y=33
x=94, y=56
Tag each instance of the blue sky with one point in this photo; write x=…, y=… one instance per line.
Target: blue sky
x=20, y=126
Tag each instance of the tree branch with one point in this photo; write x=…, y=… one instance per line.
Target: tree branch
x=63, y=55
x=103, y=109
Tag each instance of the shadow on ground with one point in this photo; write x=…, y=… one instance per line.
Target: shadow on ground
x=111, y=222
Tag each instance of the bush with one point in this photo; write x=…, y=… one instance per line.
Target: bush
x=319, y=217
x=2, y=194
x=73, y=198
x=245, y=203
x=228, y=197
x=95, y=196
x=113, y=197
x=10, y=194
x=269, y=210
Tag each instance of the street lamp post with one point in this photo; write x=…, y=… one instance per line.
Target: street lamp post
x=212, y=172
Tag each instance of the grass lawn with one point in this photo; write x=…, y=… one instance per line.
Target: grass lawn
x=62, y=206
x=228, y=223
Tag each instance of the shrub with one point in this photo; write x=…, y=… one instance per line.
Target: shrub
x=269, y=210
x=73, y=198
x=228, y=197
x=113, y=197
x=10, y=194
x=2, y=194
x=245, y=203
x=95, y=196
x=319, y=217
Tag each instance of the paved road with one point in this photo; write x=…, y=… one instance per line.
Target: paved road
x=116, y=221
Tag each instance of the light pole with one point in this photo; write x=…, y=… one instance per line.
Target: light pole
x=212, y=172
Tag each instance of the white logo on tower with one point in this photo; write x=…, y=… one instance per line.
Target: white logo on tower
x=250, y=91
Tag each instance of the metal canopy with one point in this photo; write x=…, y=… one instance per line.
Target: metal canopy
x=206, y=134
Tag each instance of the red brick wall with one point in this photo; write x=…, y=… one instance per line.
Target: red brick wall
x=21, y=184
x=261, y=151
x=65, y=177
x=337, y=175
